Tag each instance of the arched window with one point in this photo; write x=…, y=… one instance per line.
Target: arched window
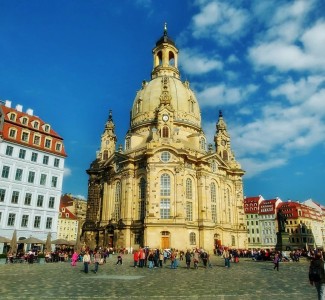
x=171, y=58
x=188, y=188
x=165, y=193
x=159, y=59
x=192, y=238
x=225, y=155
x=233, y=240
x=213, y=192
x=142, y=199
x=127, y=143
x=117, y=202
x=165, y=185
x=189, y=210
x=105, y=155
x=165, y=132
x=202, y=143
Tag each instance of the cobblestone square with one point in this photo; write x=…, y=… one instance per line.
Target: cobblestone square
x=245, y=280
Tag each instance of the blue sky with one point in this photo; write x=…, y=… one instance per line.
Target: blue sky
x=261, y=62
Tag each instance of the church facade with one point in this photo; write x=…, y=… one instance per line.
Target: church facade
x=166, y=188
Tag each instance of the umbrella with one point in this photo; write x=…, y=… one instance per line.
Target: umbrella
x=48, y=246
x=32, y=240
x=61, y=242
x=4, y=239
x=13, y=242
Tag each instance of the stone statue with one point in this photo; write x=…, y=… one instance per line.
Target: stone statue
x=281, y=221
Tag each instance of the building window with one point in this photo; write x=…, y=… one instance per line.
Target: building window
x=12, y=133
x=213, y=192
x=15, y=197
x=165, y=132
x=11, y=219
x=58, y=147
x=5, y=172
x=28, y=198
x=127, y=143
x=165, y=185
x=214, y=212
x=192, y=238
x=43, y=179
x=45, y=160
x=24, y=121
x=36, y=125
x=9, y=150
x=2, y=195
x=31, y=177
x=233, y=240
x=40, y=199
x=202, y=143
x=56, y=162
x=46, y=128
x=24, y=221
x=22, y=153
x=165, y=156
x=189, y=211
x=19, y=174
x=105, y=155
x=54, y=181
x=164, y=208
x=142, y=199
x=25, y=136
x=117, y=204
x=48, y=223
x=51, y=202
x=34, y=157
x=47, y=143
x=188, y=188
x=37, y=140
x=37, y=222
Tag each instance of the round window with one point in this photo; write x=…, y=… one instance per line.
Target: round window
x=165, y=156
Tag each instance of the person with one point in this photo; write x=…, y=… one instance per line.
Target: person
x=119, y=259
x=161, y=258
x=276, y=261
x=86, y=261
x=74, y=258
x=281, y=221
x=204, y=257
x=135, y=258
x=97, y=258
x=151, y=259
x=196, y=259
x=188, y=259
x=226, y=256
x=316, y=275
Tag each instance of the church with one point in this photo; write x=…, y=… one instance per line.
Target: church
x=167, y=187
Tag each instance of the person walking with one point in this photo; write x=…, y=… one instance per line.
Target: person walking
x=97, y=258
x=226, y=256
x=74, y=258
x=135, y=258
x=276, y=261
x=86, y=261
x=317, y=276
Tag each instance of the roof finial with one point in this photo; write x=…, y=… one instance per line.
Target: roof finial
x=110, y=115
x=220, y=113
x=165, y=29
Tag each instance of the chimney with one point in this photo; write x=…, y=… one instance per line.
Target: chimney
x=8, y=103
x=19, y=107
x=29, y=111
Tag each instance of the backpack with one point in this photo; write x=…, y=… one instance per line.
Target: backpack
x=316, y=271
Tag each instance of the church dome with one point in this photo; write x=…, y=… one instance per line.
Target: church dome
x=165, y=90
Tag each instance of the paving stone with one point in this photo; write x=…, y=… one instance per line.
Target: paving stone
x=247, y=279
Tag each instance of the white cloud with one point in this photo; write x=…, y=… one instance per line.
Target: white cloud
x=220, y=21
x=196, y=63
x=298, y=91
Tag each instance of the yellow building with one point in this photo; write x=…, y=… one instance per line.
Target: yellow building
x=166, y=188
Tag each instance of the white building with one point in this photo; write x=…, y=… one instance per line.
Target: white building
x=31, y=174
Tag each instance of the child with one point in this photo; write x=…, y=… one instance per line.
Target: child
x=119, y=259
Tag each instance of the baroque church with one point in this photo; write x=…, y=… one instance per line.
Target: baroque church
x=167, y=188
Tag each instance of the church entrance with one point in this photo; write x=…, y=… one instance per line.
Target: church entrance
x=165, y=240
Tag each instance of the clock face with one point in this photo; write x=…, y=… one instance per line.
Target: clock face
x=165, y=118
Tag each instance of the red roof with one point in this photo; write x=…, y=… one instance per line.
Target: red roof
x=66, y=213
x=17, y=124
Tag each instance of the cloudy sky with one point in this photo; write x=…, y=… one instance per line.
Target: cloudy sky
x=261, y=62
